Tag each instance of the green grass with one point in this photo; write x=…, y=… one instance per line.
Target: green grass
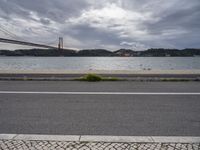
x=96, y=78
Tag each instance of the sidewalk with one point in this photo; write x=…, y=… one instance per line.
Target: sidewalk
x=56, y=145
x=45, y=142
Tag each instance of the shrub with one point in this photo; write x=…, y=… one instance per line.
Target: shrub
x=96, y=78
x=92, y=78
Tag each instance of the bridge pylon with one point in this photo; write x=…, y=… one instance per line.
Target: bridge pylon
x=60, y=45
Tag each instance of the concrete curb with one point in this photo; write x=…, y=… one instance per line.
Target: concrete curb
x=110, y=139
x=136, y=79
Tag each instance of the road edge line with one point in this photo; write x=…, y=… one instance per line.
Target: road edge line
x=99, y=93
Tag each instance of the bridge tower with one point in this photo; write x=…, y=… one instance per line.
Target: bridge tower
x=60, y=45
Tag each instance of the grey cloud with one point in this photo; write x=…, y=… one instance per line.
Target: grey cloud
x=171, y=23
x=45, y=21
x=7, y=8
x=90, y=35
x=183, y=21
x=57, y=10
x=186, y=18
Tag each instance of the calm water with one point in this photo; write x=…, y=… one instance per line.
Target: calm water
x=99, y=63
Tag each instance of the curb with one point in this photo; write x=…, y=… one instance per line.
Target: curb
x=111, y=139
x=136, y=79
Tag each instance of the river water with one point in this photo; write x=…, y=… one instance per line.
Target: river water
x=99, y=63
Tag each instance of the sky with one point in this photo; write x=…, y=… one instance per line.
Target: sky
x=106, y=24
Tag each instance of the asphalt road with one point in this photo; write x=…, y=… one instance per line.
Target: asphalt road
x=99, y=114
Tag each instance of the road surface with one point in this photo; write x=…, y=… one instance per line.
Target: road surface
x=103, y=108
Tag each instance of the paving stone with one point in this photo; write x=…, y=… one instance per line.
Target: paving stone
x=58, y=145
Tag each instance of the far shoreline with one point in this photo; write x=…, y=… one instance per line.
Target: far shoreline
x=190, y=52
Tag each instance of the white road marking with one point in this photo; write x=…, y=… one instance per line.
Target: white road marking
x=102, y=138
x=98, y=93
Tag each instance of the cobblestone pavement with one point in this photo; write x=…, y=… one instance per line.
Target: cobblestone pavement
x=56, y=145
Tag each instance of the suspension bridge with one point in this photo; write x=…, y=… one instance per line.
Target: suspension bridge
x=13, y=39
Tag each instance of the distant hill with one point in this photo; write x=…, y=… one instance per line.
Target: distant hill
x=189, y=52
x=95, y=52
x=170, y=53
x=38, y=52
x=126, y=53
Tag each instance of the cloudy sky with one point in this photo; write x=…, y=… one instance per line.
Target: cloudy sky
x=110, y=24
